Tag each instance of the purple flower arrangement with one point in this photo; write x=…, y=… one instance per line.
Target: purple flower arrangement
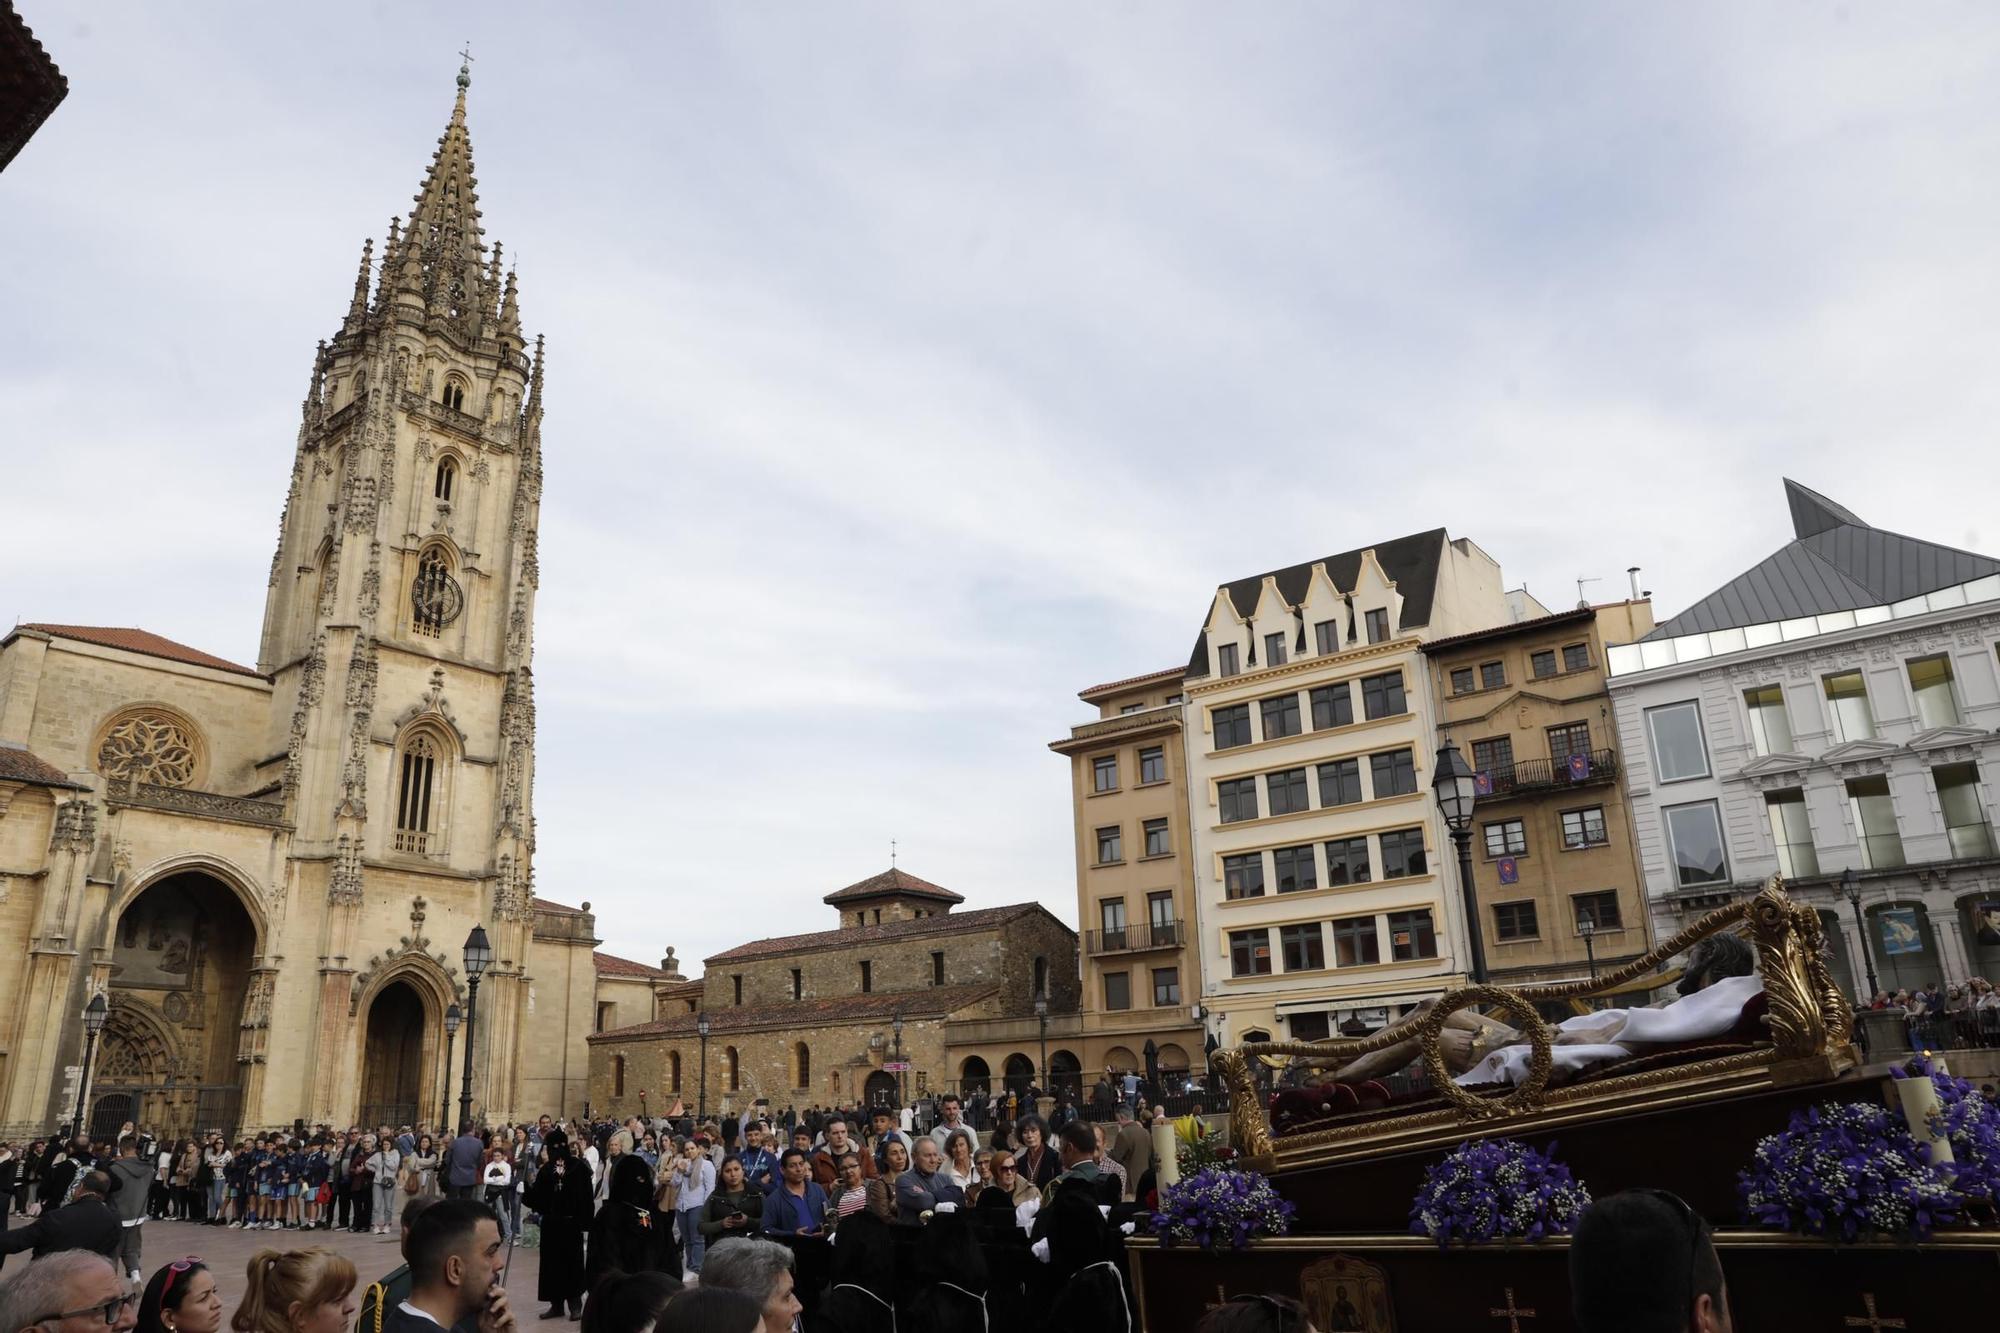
x=1972, y=1124
x=1497, y=1189
x=1221, y=1209
x=1845, y=1170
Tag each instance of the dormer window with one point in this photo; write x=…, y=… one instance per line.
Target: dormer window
x=1225, y=655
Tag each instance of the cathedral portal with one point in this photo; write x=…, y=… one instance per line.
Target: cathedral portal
x=180, y=967
x=392, y=1058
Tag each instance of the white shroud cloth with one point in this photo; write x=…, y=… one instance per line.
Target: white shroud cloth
x=1620, y=1034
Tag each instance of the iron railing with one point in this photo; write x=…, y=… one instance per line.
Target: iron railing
x=1166, y=935
x=1527, y=776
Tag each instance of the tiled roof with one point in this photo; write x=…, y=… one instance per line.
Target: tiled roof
x=611, y=965
x=1835, y=562
x=1411, y=563
x=1113, y=686
x=914, y=927
x=19, y=765
x=890, y=882
x=140, y=641
x=1552, y=621
x=544, y=905
x=930, y=1002
x=32, y=86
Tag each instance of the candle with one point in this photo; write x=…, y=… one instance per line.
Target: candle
x=1166, y=1160
x=1920, y=1104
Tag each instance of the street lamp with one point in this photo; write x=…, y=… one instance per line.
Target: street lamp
x=1850, y=884
x=1042, y=1013
x=478, y=957
x=1588, y=929
x=1455, y=793
x=902, y=1092
x=701, y=1098
x=451, y=1021
x=94, y=1015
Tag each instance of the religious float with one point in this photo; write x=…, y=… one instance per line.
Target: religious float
x=1683, y=1116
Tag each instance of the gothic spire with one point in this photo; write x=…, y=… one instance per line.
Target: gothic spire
x=357, y=309
x=444, y=256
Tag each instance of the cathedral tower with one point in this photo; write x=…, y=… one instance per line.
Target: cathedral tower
x=399, y=630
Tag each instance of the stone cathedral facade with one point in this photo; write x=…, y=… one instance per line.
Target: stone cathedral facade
x=270, y=872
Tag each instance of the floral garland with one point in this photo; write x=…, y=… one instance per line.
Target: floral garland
x=1845, y=1169
x=1218, y=1208
x=1490, y=1189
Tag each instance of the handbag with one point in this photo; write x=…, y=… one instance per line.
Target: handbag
x=412, y=1181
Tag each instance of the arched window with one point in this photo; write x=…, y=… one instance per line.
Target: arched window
x=729, y=1063
x=453, y=396
x=617, y=1076
x=801, y=1066
x=674, y=1071
x=446, y=479
x=416, y=785
x=435, y=597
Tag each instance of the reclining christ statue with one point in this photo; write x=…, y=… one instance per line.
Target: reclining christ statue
x=1719, y=980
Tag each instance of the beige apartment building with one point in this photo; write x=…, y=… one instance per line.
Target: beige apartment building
x=1552, y=852
x=1323, y=889
x=1134, y=878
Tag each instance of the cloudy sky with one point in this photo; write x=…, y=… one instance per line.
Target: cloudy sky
x=914, y=366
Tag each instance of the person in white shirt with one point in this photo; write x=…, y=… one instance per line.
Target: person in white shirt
x=693, y=1176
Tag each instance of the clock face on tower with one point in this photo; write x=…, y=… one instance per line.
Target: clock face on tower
x=436, y=597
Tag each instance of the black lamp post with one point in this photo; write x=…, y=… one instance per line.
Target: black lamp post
x=94, y=1015
x=451, y=1021
x=1042, y=1014
x=1453, y=786
x=701, y=1098
x=902, y=1091
x=478, y=957
x=1850, y=884
x=1588, y=929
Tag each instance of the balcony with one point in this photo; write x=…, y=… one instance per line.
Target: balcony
x=186, y=801
x=1135, y=939
x=1533, y=777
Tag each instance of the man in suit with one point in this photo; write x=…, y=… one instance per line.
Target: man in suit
x=86, y=1222
x=1131, y=1149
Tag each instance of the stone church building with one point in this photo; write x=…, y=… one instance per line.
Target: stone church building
x=904, y=996
x=270, y=872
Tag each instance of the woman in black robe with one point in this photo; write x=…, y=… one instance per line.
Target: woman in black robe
x=629, y=1235
x=561, y=1194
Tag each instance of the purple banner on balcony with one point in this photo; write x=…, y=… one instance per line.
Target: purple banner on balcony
x=1579, y=767
x=1482, y=783
x=1510, y=870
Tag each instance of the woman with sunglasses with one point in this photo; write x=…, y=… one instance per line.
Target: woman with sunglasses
x=181, y=1298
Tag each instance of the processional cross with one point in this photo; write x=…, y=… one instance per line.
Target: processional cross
x=1513, y=1314
x=1873, y=1322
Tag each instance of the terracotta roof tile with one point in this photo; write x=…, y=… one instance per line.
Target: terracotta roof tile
x=18, y=765
x=930, y=1002
x=1113, y=686
x=140, y=641
x=911, y=928
x=611, y=965
x=892, y=881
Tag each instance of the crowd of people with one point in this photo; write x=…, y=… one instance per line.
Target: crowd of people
x=823, y=1212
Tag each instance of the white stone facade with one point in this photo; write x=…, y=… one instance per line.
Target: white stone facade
x=1831, y=782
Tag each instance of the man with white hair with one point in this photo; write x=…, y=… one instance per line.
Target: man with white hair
x=761, y=1269
x=70, y=1291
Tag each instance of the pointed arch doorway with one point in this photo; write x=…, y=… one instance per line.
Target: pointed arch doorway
x=392, y=1059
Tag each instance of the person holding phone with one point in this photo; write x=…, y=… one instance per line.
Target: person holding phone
x=735, y=1209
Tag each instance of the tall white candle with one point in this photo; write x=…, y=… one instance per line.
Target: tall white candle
x=1920, y=1103
x=1166, y=1161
